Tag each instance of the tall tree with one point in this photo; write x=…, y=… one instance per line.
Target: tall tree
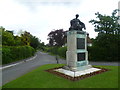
x=34, y=41
x=29, y=39
x=56, y=37
x=7, y=38
x=107, y=42
x=107, y=24
x=25, y=37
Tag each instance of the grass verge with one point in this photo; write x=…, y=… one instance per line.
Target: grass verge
x=38, y=78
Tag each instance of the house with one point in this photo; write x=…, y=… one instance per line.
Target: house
x=89, y=41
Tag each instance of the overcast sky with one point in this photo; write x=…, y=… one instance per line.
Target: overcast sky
x=39, y=17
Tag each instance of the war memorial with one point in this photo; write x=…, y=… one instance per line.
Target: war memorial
x=77, y=65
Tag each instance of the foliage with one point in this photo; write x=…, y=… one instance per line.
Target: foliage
x=62, y=52
x=25, y=38
x=17, y=47
x=14, y=53
x=6, y=55
x=53, y=50
x=18, y=41
x=34, y=42
x=56, y=38
x=7, y=37
x=105, y=46
x=42, y=46
x=42, y=79
x=29, y=39
x=107, y=24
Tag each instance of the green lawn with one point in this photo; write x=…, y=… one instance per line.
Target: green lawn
x=38, y=78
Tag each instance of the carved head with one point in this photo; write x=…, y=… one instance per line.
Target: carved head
x=77, y=15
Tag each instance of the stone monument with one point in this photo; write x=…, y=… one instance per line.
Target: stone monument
x=77, y=54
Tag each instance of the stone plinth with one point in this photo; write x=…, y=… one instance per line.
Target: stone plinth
x=77, y=55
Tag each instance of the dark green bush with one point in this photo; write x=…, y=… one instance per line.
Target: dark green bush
x=14, y=53
x=62, y=52
x=6, y=55
x=96, y=53
x=53, y=50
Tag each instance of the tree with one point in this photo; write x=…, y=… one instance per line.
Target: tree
x=107, y=24
x=106, y=44
x=41, y=46
x=56, y=37
x=7, y=38
x=18, y=41
x=34, y=42
x=29, y=39
x=25, y=38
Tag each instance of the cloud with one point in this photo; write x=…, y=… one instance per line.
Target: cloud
x=33, y=4
x=39, y=17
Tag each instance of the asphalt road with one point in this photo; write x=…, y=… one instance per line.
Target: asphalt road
x=11, y=73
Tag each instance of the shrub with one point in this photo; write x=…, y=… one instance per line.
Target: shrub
x=96, y=53
x=62, y=52
x=53, y=50
x=6, y=55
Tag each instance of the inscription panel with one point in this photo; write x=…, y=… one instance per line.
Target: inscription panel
x=80, y=43
x=80, y=32
x=80, y=56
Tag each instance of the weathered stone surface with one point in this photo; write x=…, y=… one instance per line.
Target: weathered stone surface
x=76, y=49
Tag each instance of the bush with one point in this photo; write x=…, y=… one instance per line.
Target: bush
x=96, y=53
x=53, y=50
x=14, y=53
x=62, y=52
x=6, y=55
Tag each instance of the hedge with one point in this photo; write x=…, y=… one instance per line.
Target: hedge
x=15, y=53
x=94, y=53
x=62, y=52
x=102, y=54
x=53, y=50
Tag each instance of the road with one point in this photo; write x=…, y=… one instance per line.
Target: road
x=11, y=73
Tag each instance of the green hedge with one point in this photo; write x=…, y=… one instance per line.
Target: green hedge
x=95, y=53
x=14, y=53
x=62, y=52
x=102, y=54
x=53, y=50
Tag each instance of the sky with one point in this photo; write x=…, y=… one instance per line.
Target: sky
x=39, y=17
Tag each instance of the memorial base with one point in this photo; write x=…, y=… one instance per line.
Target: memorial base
x=75, y=69
x=78, y=73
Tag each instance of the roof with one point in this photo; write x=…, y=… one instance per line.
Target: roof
x=88, y=39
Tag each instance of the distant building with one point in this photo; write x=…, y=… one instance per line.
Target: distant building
x=89, y=41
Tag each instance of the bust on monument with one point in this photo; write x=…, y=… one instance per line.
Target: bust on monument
x=76, y=24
